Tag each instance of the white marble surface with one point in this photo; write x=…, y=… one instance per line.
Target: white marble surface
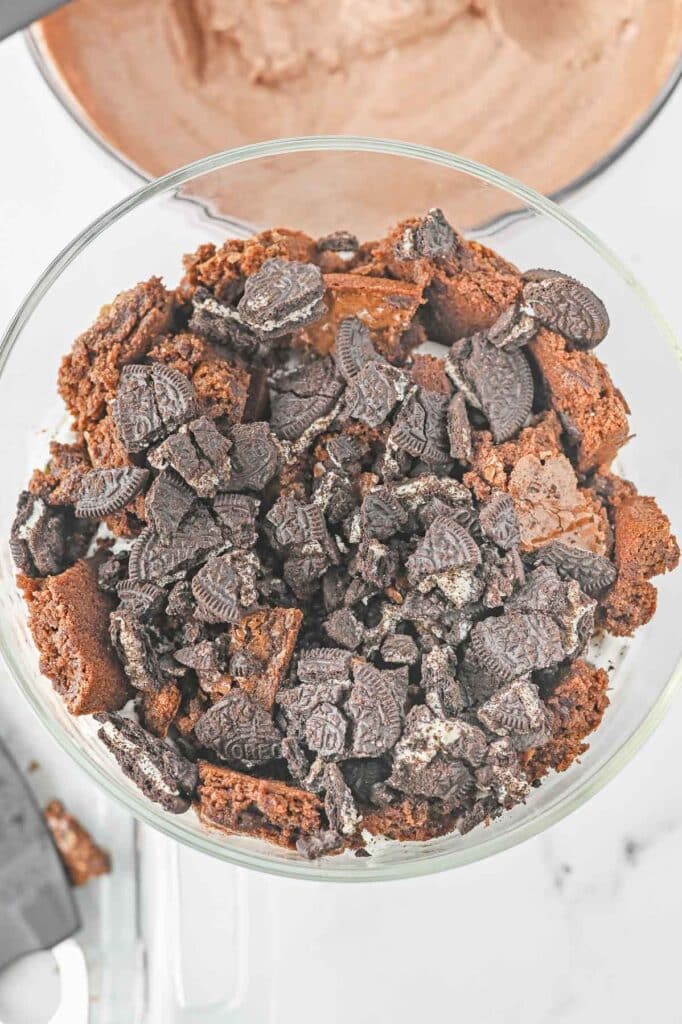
x=581, y=924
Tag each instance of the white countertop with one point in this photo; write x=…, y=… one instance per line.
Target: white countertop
x=581, y=924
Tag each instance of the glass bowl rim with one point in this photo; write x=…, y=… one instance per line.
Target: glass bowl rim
x=138, y=805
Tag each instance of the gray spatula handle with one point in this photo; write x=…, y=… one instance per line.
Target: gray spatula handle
x=16, y=14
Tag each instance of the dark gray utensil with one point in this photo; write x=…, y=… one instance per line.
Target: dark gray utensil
x=16, y=14
x=37, y=909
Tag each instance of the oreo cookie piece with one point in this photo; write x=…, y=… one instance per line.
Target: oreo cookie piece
x=219, y=322
x=445, y=694
x=434, y=757
x=324, y=665
x=240, y=731
x=373, y=393
x=446, y=545
x=399, y=649
x=151, y=401
x=325, y=730
x=517, y=711
x=303, y=574
x=594, y=573
x=133, y=643
x=208, y=659
x=225, y=588
x=143, y=600
x=254, y=457
x=237, y=515
x=382, y=514
x=199, y=454
x=563, y=304
x=498, y=521
x=164, y=776
x=377, y=707
x=516, y=643
x=514, y=327
x=339, y=241
x=38, y=538
x=304, y=397
x=168, y=501
x=432, y=238
x=162, y=562
x=339, y=805
x=134, y=409
x=174, y=396
x=105, y=491
x=500, y=383
x=281, y=297
x=420, y=427
x=459, y=429
x=298, y=525
x=344, y=629
x=353, y=348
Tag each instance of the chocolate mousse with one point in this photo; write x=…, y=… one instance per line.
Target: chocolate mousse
x=353, y=586
x=165, y=82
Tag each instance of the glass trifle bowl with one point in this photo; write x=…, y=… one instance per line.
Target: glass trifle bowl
x=364, y=186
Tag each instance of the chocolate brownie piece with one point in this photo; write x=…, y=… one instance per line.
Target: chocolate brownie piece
x=158, y=708
x=69, y=620
x=264, y=808
x=466, y=285
x=408, y=821
x=122, y=333
x=549, y=501
x=593, y=412
x=429, y=373
x=59, y=483
x=80, y=854
x=222, y=389
x=643, y=547
x=385, y=306
x=265, y=642
x=576, y=704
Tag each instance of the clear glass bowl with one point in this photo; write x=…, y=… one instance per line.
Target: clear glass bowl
x=146, y=234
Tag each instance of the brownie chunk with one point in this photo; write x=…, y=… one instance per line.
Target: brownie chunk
x=69, y=620
x=593, y=411
x=122, y=333
x=643, y=547
x=549, y=501
x=408, y=821
x=158, y=709
x=386, y=307
x=263, y=808
x=429, y=373
x=80, y=854
x=576, y=705
x=264, y=642
x=59, y=483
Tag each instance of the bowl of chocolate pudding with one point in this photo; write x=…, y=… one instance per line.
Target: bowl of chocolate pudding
x=547, y=92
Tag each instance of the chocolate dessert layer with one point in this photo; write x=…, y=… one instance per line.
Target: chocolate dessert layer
x=505, y=82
